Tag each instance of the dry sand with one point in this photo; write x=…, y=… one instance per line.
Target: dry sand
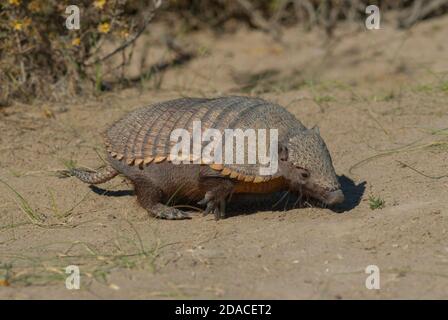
x=372, y=93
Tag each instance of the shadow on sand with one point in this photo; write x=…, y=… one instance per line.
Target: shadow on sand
x=281, y=201
x=353, y=194
x=111, y=193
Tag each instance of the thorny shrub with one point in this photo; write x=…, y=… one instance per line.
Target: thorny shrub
x=40, y=57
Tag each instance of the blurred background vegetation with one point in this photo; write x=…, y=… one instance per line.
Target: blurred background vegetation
x=40, y=58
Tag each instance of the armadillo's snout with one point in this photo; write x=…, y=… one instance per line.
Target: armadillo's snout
x=334, y=197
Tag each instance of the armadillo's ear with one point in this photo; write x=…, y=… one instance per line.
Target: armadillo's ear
x=316, y=129
x=283, y=152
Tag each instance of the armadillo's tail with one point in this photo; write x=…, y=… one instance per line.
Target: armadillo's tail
x=93, y=177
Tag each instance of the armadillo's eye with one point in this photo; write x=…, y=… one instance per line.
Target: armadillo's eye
x=303, y=172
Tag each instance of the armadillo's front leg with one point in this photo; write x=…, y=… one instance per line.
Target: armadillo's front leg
x=149, y=197
x=162, y=211
x=215, y=198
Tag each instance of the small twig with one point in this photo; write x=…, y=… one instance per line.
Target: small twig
x=22, y=65
x=182, y=57
x=311, y=12
x=278, y=14
x=257, y=19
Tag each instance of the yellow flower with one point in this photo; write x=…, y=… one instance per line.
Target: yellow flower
x=104, y=27
x=17, y=25
x=76, y=42
x=14, y=2
x=99, y=4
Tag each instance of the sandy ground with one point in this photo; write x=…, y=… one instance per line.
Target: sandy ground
x=380, y=100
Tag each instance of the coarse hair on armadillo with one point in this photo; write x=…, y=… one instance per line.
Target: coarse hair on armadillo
x=94, y=177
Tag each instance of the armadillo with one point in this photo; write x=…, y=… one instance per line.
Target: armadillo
x=138, y=147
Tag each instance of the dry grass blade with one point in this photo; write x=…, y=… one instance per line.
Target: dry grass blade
x=188, y=207
x=281, y=199
x=38, y=219
x=24, y=205
x=393, y=151
x=421, y=173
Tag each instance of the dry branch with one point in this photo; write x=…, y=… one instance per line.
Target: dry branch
x=149, y=16
x=419, y=12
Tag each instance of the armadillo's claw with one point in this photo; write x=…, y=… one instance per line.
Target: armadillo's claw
x=209, y=208
x=169, y=213
x=215, y=206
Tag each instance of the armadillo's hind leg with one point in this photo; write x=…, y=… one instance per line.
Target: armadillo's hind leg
x=215, y=198
x=149, y=197
x=94, y=177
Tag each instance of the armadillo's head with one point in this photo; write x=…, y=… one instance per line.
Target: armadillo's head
x=306, y=164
